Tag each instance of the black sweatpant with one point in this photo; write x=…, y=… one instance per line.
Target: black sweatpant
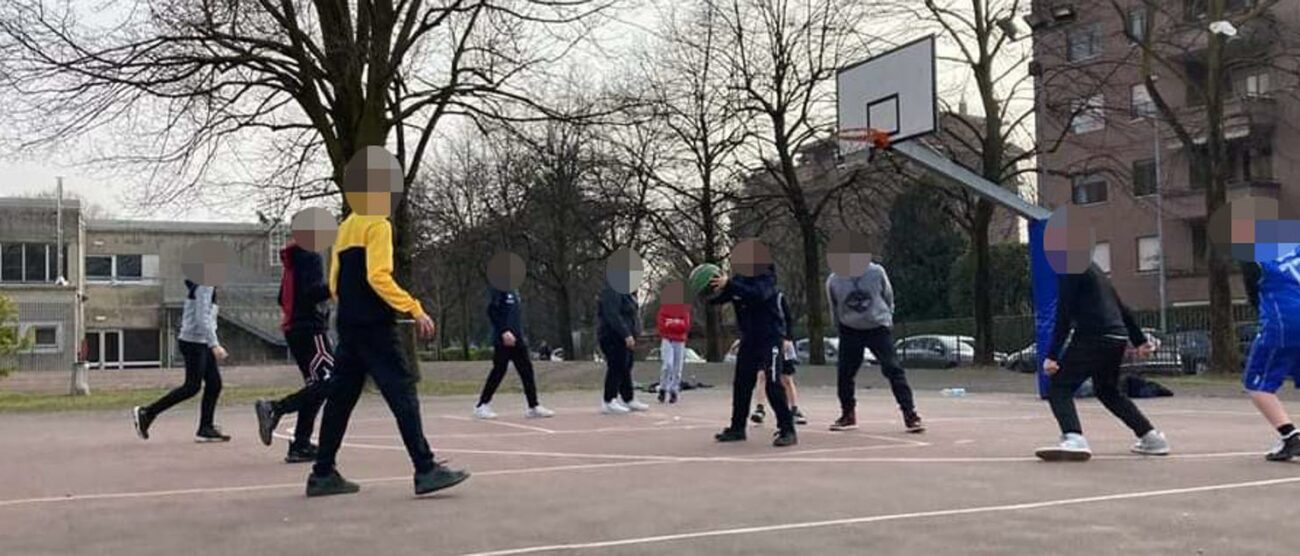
x=200, y=372
x=1098, y=358
x=315, y=358
x=502, y=356
x=880, y=341
x=618, y=369
x=374, y=351
x=752, y=357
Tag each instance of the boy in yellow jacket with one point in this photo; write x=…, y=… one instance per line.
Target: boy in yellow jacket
x=369, y=300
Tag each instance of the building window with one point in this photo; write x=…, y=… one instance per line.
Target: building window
x=1200, y=247
x=28, y=262
x=1257, y=85
x=44, y=336
x=1144, y=178
x=1089, y=114
x=1141, y=105
x=1137, y=24
x=1101, y=256
x=1089, y=189
x=1197, y=9
x=1084, y=42
x=276, y=239
x=1198, y=168
x=1148, y=250
x=129, y=268
x=99, y=268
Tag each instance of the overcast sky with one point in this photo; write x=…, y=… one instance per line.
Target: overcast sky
x=38, y=173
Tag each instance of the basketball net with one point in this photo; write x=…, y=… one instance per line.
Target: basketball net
x=879, y=139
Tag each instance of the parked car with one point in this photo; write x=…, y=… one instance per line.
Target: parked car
x=938, y=351
x=832, y=346
x=1194, y=346
x=1165, y=359
x=1023, y=361
x=692, y=356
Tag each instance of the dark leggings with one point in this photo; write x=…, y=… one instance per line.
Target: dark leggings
x=502, y=356
x=1098, y=358
x=751, y=358
x=315, y=358
x=200, y=372
x=881, y=343
x=618, y=370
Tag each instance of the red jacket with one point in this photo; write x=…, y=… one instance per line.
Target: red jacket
x=674, y=322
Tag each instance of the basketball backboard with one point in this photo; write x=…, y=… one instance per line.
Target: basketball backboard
x=893, y=92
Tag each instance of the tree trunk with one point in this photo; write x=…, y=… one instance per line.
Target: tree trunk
x=712, y=333
x=983, y=284
x=812, y=272
x=564, y=314
x=712, y=322
x=1223, y=342
x=464, y=326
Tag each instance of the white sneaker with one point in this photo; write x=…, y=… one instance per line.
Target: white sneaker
x=1073, y=447
x=484, y=412
x=538, y=412
x=614, y=407
x=1152, y=444
x=635, y=405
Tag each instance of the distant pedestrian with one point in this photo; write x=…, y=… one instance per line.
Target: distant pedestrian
x=619, y=325
x=505, y=312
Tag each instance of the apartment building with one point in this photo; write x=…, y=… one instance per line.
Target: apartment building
x=122, y=291
x=1088, y=59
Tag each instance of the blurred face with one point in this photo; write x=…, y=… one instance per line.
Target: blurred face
x=848, y=254
x=1068, y=243
x=372, y=181
x=624, y=270
x=506, y=271
x=673, y=293
x=206, y=262
x=750, y=257
x=314, y=229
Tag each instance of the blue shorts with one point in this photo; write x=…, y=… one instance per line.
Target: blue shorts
x=1269, y=365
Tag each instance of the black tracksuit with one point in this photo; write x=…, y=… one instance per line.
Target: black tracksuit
x=303, y=292
x=1088, y=304
x=762, y=327
x=505, y=312
x=618, y=320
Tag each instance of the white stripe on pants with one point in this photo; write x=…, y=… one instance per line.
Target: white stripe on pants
x=674, y=356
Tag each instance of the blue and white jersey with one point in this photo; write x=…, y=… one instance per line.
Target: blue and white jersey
x=1279, y=298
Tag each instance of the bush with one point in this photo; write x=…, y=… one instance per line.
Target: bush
x=10, y=342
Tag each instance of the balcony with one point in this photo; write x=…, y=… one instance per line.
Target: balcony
x=1189, y=204
x=1243, y=116
x=1189, y=38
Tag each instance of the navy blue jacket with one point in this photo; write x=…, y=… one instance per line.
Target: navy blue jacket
x=303, y=290
x=617, y=315
x=758, y=309
x=505, y=311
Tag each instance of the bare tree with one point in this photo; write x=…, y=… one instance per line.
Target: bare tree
x=782, y=56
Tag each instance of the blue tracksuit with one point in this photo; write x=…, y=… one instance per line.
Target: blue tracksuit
x=1275, y=353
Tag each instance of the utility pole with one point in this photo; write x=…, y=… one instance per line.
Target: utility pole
x=1160, y=227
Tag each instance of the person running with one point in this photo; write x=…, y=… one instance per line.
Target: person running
x=674, y=325
x=861, y=301
x=202, y=350
x=753, y=294
x=788, y=358
x=505, y=312
x=369, y=299
x=1273, y=285
x=619, y=325
x=1090, y=313
x=305, y=321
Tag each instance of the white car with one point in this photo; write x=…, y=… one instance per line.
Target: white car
x=692, y=356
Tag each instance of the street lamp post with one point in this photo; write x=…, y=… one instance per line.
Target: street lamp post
x=1160, y=227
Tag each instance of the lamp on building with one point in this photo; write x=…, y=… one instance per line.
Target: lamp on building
x=100, y=318
x=1064, y=13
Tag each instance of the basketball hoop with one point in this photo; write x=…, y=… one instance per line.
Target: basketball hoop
x=879, y=140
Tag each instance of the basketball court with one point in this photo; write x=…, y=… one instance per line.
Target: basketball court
x=654, y=483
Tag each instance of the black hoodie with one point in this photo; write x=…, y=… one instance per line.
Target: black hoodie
x=617, y=315
x=758, y=310
x=1087, y=303
x=303, y=290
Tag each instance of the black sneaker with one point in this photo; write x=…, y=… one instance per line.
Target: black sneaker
x=730, y=435
x=267, y=419
x=847, y=422
x=211, y=434
x=662, y=395
x=438, y=478
x=301, y=454
x=758, y=415
x=329, y=485
x=672, y=397
x=799, y=418
x=785, y=438
x=912, y=421
x=1286, y=449
x=142, y=419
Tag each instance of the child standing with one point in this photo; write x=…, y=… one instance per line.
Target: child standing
x=1273, y=283
x=505, y=312
x=674, y=324
x=620, y=324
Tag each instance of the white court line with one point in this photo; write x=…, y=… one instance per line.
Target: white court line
x=889, y=517
x=499, y=423
x=532, y=433
x=300, y=484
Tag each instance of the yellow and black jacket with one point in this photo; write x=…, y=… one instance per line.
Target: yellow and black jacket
x=361, y=274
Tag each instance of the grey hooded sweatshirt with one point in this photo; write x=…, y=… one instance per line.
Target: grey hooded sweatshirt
x=199, y=317
x=861, y=303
